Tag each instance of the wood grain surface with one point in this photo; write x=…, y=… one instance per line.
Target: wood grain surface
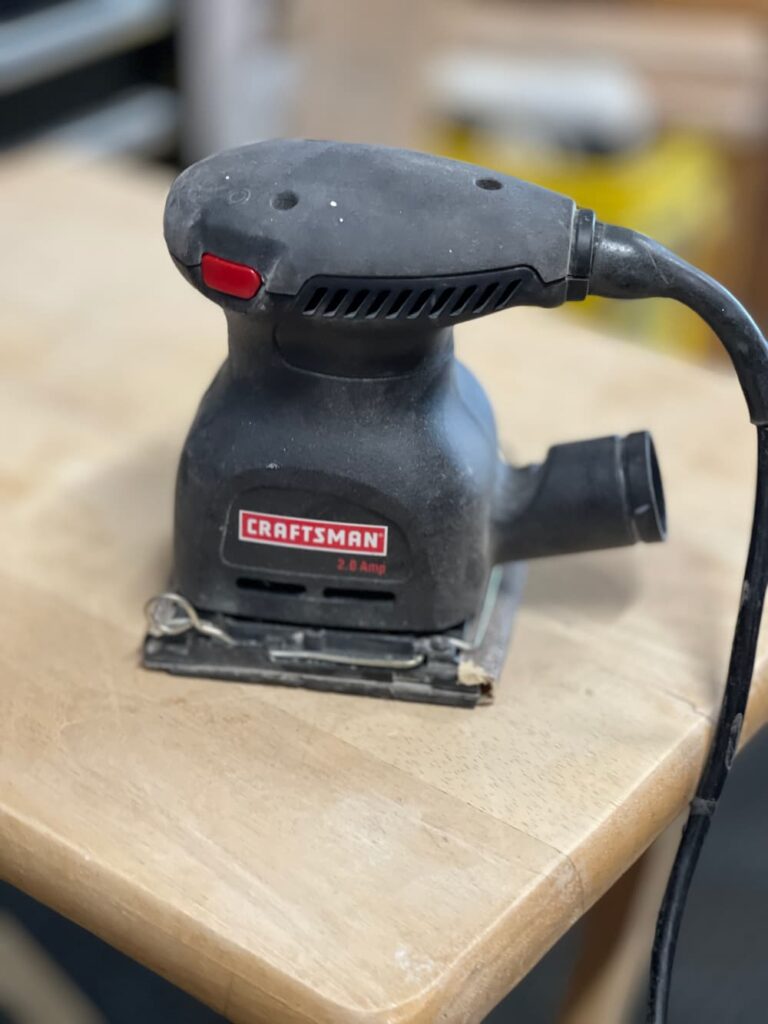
x=302, y=857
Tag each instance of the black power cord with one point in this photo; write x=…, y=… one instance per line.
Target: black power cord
x=629, y=265
x=722, y=750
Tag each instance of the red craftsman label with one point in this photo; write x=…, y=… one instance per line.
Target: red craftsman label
x=312, y=534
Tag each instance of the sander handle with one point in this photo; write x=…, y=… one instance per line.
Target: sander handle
x=362, y=236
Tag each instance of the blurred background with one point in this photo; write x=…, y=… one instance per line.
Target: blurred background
x=652, y=112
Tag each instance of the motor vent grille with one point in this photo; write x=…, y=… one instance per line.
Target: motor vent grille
x=407, y=300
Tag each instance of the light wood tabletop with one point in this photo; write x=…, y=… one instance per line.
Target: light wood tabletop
x=293, y=856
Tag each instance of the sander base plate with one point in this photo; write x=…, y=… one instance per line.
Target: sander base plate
x=458, y=667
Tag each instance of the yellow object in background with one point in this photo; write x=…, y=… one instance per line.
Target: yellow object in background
x=676, y=189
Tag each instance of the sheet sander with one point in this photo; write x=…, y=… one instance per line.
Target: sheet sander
x=343, y=518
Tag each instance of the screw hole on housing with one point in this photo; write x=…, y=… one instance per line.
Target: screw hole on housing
x=489, y=184
x=284, y=200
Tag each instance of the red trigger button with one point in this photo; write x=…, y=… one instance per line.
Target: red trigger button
x=231, y=278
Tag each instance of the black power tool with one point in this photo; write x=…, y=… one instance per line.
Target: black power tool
x=341, y=503
x=343, y=519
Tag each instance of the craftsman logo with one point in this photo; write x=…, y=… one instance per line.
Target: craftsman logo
x=312, y=534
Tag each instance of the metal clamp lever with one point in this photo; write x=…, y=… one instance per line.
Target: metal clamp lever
x=170, y=614
x=338, y=658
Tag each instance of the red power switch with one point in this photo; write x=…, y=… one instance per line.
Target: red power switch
x=231, y=278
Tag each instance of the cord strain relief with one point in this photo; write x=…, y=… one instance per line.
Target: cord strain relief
x=582, y=249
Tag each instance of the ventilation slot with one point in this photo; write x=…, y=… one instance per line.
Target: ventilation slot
x=463, y=299
x=378, y=301
x=342, y=594
x=357, y=300
x=269, y=586
x=485, y=295
x=392, y=301
x=419, y=304
x=441, y=300
x=335, y=301
x=398, y=304
x=316, y=298
x=506, y=294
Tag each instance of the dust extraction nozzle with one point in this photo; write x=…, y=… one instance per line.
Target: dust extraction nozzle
x=586, y=495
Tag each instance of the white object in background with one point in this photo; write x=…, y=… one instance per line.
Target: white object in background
x=237, y=78
x=564, y=101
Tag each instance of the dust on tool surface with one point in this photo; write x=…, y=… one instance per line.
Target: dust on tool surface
x=343, y=518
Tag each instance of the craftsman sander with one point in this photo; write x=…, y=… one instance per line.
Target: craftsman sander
x=343, y=518
x=341, y=506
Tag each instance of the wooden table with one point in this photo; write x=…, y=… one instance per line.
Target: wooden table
x=302, y=857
